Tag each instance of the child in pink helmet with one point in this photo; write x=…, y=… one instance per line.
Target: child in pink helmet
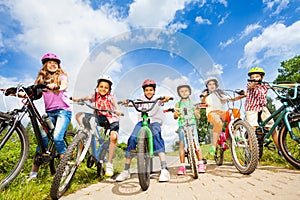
x=56, y=103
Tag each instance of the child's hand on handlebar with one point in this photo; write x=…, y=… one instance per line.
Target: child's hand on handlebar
x=166, y=99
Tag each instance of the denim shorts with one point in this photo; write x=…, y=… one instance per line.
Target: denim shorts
x=158, y=142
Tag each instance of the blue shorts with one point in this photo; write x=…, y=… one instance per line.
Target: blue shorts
x=183, y=139
x=158, y=142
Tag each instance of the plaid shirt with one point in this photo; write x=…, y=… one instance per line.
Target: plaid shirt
x=256, y=97
x=106, y=103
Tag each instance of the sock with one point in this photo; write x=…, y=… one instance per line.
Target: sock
x=163, y=164
x=182, y=164
x=200, y=162
x=33, y=174
x=127, y=166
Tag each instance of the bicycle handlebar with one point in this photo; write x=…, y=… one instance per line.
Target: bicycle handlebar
x=289, y=87
x=137, y=102
x=83, y=102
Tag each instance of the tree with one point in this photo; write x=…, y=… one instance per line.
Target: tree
x=289, y=71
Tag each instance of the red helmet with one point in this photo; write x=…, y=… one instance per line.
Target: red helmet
x=50, y=56
x=149, y=82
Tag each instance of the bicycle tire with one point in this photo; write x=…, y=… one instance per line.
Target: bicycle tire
x=18, y=143
x=219, y=155
x=68, y=165
x=143, y=160
x=192, y=155
x=245, y=153
x=68, y=137
x=288, y=146
x=100, y=164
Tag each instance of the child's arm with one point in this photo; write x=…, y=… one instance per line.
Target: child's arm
x=116, y=107
x=176, y=112
x=197, y=113
x=86, y=98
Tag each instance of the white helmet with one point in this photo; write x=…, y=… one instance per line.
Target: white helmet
x=212, y=79
x=105, y=78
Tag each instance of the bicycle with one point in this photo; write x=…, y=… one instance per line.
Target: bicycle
x=92, y=140
x=240, y=137
x=288, y=120
x=189, y=136
x=145, y=151
x=14, y=139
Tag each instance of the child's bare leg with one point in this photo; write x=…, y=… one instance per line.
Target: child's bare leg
x=112, y=145
x=181, y=152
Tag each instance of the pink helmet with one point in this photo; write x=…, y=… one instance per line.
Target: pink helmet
x=149, y=82
x=50, y=56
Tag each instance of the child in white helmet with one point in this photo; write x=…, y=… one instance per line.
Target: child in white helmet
x=103, y=99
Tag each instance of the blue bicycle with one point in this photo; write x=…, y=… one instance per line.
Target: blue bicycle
x=92, y=140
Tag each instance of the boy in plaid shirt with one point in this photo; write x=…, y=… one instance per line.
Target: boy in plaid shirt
x=256, y=105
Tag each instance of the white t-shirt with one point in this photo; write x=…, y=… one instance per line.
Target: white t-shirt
x=156, y=114
x=215, y=101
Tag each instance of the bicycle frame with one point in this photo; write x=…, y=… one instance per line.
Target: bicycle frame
x=283, y=112
x=145, y=126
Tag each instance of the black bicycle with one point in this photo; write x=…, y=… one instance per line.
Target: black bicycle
x=14, y=140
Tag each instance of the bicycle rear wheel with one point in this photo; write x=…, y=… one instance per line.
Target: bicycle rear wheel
x=192, y=155
x=290, y=144
x=69, y=164
x=244, y=150
x=143, y=159
x=69, y=136
x=14, y=151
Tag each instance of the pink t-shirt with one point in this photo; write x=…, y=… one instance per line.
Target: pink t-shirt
x=58, y=100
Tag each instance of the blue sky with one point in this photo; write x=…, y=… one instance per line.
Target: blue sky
x=94, y=37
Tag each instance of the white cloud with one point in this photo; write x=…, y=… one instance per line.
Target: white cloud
x=200, y=20
x=223, y=19
x=154, y=13
x=225, y=44
x=224, y=2
x=276, y=5
x=277, y=40
x=249, y=29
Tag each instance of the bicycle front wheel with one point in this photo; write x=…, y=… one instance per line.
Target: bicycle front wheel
x=68, y=165
x=192, y=155
x=290, y=143
x=143, y=159
x=69, y=136
x=244, y=147
x=13, y=152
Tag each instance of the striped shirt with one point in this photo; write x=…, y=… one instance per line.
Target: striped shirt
x=106, y=103
x=256, y=98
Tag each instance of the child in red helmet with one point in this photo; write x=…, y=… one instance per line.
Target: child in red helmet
x=156, y=120
x=56, y=103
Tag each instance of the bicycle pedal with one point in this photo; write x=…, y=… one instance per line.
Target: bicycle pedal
x=271, y=147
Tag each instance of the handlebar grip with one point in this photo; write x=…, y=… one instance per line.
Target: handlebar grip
x=257, y=81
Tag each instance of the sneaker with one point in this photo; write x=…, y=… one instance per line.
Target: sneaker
x=32, y=175
x=201, y=168
x=123, y=176
x=212, y=150
x=109, y=171
x=181, y=170
x=164, y=175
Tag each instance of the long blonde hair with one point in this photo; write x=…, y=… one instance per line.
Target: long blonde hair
x=44, y=75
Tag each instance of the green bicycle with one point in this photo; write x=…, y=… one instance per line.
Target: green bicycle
x=288, y=120
x=145, y=150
